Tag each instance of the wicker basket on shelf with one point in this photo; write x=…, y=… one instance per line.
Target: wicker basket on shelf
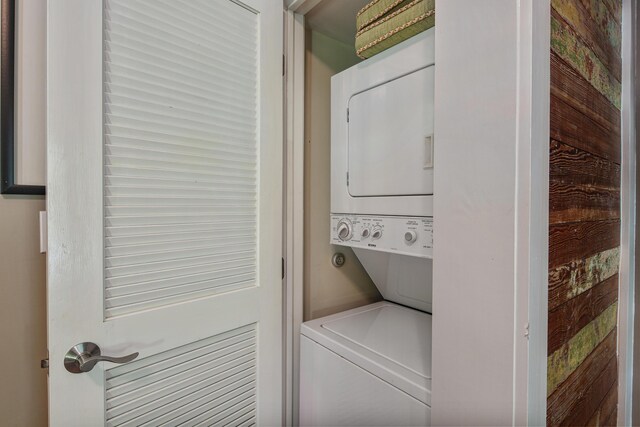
x=382, y=24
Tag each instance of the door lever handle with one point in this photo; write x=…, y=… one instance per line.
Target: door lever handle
x=84, y=356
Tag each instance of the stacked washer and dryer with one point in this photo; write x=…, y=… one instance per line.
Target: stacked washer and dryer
x=372, y=365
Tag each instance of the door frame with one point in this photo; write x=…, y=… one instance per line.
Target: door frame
x=533, y=256
x=628, y=215
x=294, y=28
x=531, y=246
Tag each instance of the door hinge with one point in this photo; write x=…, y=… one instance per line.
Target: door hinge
x=283, y=268
x=284, y=65
x=44, y=363
x=347, y=115
x=347, y=179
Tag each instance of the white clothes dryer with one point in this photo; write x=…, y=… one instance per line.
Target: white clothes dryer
x=382, y=141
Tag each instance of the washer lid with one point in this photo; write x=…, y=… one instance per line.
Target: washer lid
x=398, y=334
x=388, y=340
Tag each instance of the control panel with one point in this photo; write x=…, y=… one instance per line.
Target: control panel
x=395, y=234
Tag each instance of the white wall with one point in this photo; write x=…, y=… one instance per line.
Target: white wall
x=327, y=289
x=490, y=225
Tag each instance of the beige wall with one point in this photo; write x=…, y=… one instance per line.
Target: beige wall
x=23, y=384
x=327, y=289
x=23, y=324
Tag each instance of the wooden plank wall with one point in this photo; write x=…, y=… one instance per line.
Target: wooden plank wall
x=584, y=212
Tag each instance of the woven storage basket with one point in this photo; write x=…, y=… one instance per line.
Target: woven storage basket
x=377, y=9
x=386, y=23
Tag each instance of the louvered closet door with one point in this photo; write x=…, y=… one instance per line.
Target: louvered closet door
x=165, y=210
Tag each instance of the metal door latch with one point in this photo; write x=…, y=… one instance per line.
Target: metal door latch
x=84, y=356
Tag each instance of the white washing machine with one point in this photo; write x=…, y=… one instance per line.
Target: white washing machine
x=371, y=366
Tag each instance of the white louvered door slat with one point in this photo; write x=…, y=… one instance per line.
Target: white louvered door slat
x=164, y=199
x=145, y=39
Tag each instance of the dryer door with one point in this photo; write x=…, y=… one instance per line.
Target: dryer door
x=391, y=137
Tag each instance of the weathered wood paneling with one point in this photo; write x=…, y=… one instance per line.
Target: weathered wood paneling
x=568, y=397
x=584, y=211
x=568, y=319
x=571, y=279
x=567, y=161
x=612, y=419
x=579, y=198
x=593, y=395
x=613, y=7
x=579, y=240
x=576, y=129
x=596, y=37
x=607, y=407
x=583, y=187
x=569, y=47
x=575, y=90
x=607, y=19
x=566, y=359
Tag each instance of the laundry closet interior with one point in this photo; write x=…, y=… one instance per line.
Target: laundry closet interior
x=367, y=225
x=368, y=202
x=362, y=148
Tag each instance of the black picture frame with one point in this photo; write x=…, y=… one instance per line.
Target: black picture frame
x=8, y=184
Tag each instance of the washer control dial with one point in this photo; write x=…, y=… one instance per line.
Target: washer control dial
x=344, y=229
x=410, y=237
x=376, y=233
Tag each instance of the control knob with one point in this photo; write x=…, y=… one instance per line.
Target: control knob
x=344, y=230
x=377, y=233
x=410, y=236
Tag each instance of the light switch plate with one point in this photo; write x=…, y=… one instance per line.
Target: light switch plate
x=43, y=232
